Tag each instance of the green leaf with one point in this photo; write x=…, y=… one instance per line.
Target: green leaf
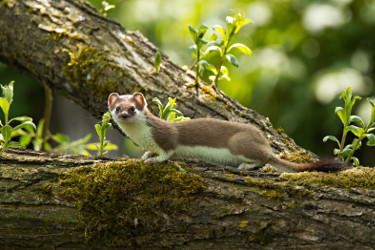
x=372, y=120
x=193, y=49
x=232, y=59
x=24, y=125
x=332, y=138
x=202, y=30
x=203, y=63
x=226, y=77
x=371, y=139
x=60, y=138
x=193, y=33
x=25, y=140
x=8, y=92
x=111, y=146
x=354, y=118
x=157, y=62
x=224, y=70
x=342, y=115
x=211, y=68
x=4, y=105
x=243, y=48
x=222, y=31
x=14, y=144
x=355, y=161
x=212, y=48
x=6, y=132
x=346, y=151
x=98, y=129
x=356, y=130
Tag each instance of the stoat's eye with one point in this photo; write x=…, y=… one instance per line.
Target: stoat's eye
x=132, y=109
x=117, y=109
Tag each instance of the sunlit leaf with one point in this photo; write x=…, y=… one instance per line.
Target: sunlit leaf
x=342, y=115
x=211, y=49
x=243, y=48
x=4, y=104
x=222, y=31
x=226, y=77
x=224, y=70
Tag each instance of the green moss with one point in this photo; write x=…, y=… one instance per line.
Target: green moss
x=88, y=69
x=276, y=189
x=359, y=177
x=119, y=203
x=297, y=156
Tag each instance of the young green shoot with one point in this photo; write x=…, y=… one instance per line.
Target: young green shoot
x=157, y=62
x=101, y=130
x=169, y=113
x=362, y=131
x=196, y=49
x=9, y=131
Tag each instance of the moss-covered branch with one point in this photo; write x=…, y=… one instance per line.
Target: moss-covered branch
x=47, y=200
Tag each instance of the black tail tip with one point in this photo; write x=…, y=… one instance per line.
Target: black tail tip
x=329, y=165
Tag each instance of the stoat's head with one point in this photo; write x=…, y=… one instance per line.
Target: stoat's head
x=127, y=108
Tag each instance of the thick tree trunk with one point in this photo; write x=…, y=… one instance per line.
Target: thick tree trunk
x=44, y=204
x=84, y=56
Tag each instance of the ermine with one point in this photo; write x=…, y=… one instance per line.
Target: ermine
x=211, y=140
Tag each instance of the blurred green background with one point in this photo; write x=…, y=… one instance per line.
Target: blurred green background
x=305, y=54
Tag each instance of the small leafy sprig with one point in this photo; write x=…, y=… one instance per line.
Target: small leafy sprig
x=197, y=49
x=203, y=49
x=7, y=131
x=169, y=113
x=346, y=152
x=101, y=130
x=64, y=144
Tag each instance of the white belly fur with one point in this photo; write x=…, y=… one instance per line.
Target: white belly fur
x=209, y=154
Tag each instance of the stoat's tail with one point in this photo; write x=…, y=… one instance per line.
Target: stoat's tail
x=330, y=165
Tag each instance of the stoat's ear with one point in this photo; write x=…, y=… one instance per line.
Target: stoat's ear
x=111, y=100
x=140, y=99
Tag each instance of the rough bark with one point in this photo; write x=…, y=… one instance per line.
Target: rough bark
x=84, y=56
x=235, y=210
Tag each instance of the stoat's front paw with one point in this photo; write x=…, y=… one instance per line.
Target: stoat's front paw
x=148, y=155
x=152, y=161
